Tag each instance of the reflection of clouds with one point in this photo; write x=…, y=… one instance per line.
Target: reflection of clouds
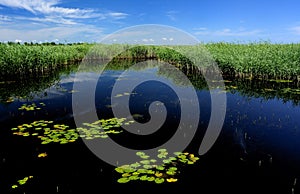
x=80, y=77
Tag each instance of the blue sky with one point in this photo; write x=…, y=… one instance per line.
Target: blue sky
x=207, y=20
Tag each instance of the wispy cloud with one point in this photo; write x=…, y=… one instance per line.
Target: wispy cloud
x=147, y=40
x=64, y=33
x=50, y=11
x=226, y=32
x=49, y=8
x=117, y=15
x=49, y=19
x=172, y=15
x=295, y=30
x=4, y=18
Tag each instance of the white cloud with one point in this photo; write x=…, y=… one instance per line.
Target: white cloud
x=147, y=40
x=226, y=32
x=4, y=18
x=295, y=30
x=200, y=29
x=49, y=19
x=49, y=8
x=63, y=33
x=117, y=15
x=172, y=15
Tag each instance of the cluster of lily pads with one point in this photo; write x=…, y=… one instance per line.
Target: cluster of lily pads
x=49, y=132
x=21, y=182
x=31, y=107
x=158, y=170
x=101, y=128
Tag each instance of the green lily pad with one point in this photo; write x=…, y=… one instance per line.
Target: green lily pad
x=123, y=180
x=159, y=180
x=14, y=186
x=49, y=132
x=134, y=177
x=144, y=178
x=151, y=178
x=153, y=172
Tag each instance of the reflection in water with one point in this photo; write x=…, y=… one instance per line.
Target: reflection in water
x=28, y=87
x=259, y=146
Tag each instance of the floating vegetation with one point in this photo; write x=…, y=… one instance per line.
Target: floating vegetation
x=123, y=94
x=21, y=182
x=31, y=107
x=101, y=128
x=49, y=132
x=42, y=155
x=10, y=100
x=149, y=169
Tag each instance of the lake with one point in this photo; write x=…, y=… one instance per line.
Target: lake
x=258, y=149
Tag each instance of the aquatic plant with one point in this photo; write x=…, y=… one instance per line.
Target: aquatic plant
x=18, y=59
x=257, y=60
x=102, y=128
x=42, y=155
x=252, y=60
x=32, y=106
x=158, y=170
x=21, y=182
x=49, y=132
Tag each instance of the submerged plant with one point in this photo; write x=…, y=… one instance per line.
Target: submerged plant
x=49, y=132
x=152, y=170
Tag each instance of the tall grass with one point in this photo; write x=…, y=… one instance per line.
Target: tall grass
x=253, y=60
x=18, y=59
x=258, y=60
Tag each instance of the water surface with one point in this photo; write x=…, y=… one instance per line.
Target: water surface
x=257, y=151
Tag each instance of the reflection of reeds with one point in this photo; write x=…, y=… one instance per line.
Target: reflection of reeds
x=267, y=89
x=28, y=85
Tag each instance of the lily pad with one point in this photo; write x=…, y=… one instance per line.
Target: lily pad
x=123, y=180
x=48, y=132
x=151, y=171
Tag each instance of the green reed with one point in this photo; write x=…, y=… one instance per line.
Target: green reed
x=16, y=59
x=253, y=60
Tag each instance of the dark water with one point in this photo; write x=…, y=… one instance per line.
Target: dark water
x=258, y=150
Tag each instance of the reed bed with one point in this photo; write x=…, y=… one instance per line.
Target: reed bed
x=254, y=60
x=16, y=59
x=258, y=60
